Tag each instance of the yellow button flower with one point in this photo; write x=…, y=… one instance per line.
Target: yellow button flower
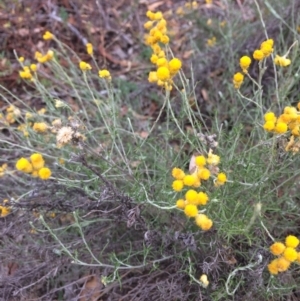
x=269, y=126
x=283, y=264
x=272, y=267
x=281, y=128
x=191, y=197
x=4, y=211
x=177, y=185
x=24, y=165
x=290, y=254
x=238, y=79
x=175, y=65
x=84, y=66
x=104, y=74
x=270, y=116
x=245, y=62
x=163, y=73
x=258, y=55
x=200, y=161
x=189, y=180
x=191, y=210
x=202, y=198
x=180, y=204
x=277, y=248
x=178, y=173
x=40, y=127
x=48, y=36
x=292, y=241
x=203, y=222
x=44, y=173
x=37, y=161
x=281, y=61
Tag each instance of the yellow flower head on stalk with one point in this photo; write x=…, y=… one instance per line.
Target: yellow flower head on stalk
x=4, y=211
x=212, y=158
x=189, y=180
x=89, y=48
x=24, y=165
x=290, y=254
x=203, y=222
x=191, y=197
x=180, y=204
x=40, y=127
x=48, y=36
x=49, y=55
x=291, y=241
x=25, y=73
x=270, y=116
x=245, y=62
x=281, y=61
x=44, y=58
x=258, y=55
x=203, y=198
x=21, y=59
x=33, y=67
x=37, y=161
x=277, y=248
x=203, y=174
x=267, y=47
x=238, y=79
x=177, y=185
x=280, y=128
x=272, y=267
x=191, y=210
x=104, y=74
x=178, y=173
x=269, y=126
x=152, y=77
x=44, y=173
x=283, y=264
x=221, y=179
x=85, y=66
x=200, y=161
x=174, y=65
x=163, y=73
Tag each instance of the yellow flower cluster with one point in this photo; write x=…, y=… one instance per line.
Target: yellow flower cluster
x=44, y=58
x=40, y=127
x=104, y=74
x=286, y=254
x=281, y=61
x=187, y=8
x=35, y=166
x=204, y=168
x=84, y=66
x=26, y=72
x=12, y=114
x=289, y=120
x=157, y=36
x=48, y=36
x=266, y=48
